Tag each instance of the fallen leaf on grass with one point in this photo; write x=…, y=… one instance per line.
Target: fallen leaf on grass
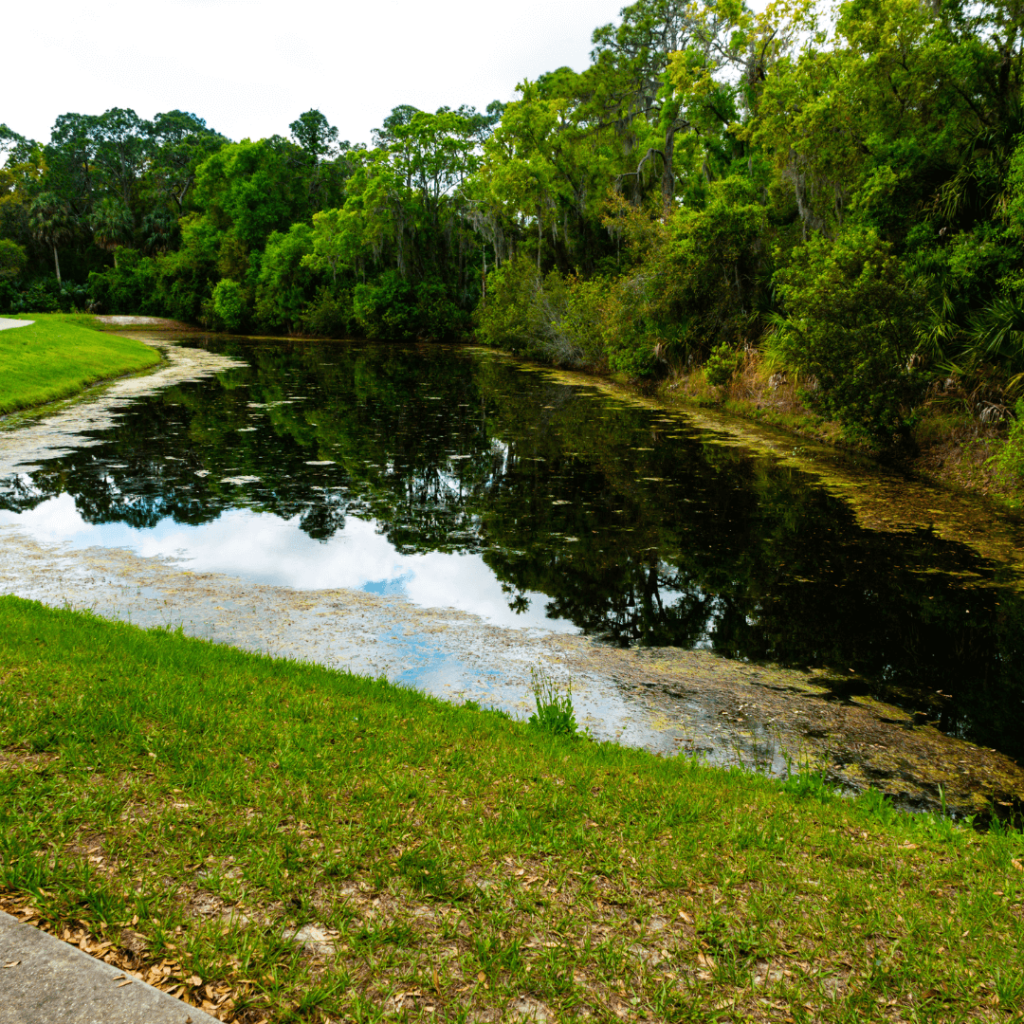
x=1017, y=864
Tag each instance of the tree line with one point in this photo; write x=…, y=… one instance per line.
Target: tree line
x=838, y=189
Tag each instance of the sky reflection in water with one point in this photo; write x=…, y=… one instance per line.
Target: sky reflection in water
x=463, y=480
x=267, y=549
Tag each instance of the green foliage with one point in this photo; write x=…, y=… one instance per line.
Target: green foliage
x=555, y=714
x=850, y=330
x=1010, y=458
x=44, y=295
x=722, y=364
x=511, y=316
x=248, y=189
x=228, y=305
x=329, y=316
x=715, y=268
x=560, y=320
x=439, y=317
x=581, y=327
x=12, y=259
x=285, y=283
x=386, y=310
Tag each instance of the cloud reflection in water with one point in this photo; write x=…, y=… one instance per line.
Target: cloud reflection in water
x=267, y=549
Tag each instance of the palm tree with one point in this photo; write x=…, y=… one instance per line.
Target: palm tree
x=112, y=225
x=52, y=222
x=158, y=230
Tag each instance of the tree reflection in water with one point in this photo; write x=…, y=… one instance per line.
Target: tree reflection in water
x=636, y=527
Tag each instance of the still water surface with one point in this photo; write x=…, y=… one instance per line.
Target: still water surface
x=456, y=478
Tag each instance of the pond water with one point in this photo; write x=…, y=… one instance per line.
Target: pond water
x=457, y=478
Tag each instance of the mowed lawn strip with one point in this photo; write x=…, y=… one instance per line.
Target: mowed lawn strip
x=56, y=357
x=278, y=841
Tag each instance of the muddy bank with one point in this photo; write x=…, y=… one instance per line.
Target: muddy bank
x=668, y=700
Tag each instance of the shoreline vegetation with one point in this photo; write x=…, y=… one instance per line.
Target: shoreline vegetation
x=58, y=356
x=278, y=841
x=951, y=448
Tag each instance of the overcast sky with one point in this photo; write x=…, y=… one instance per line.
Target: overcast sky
x=249, y=67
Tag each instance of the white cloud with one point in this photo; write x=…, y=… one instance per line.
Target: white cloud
x=252, y=66
x=267, y=549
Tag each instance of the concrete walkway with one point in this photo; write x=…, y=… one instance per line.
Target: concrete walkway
x=5, y=323
x=46, y=981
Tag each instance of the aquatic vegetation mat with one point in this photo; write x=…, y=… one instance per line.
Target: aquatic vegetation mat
x=277, y=841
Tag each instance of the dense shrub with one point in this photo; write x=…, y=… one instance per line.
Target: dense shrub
x=559, y=320
x=850, y=327
x=387, y=308
x=229, y=306
x=285, y=283
x=1010, y=458
x=43, y=295
x=329, y=316
x=12, y=259
x=722, y=364
x=510, y=316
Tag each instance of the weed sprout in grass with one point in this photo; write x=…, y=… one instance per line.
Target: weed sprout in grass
x=808, y=784
x=555, y=713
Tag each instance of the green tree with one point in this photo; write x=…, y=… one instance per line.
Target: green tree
x=229, y=305
x=121, y=151
x=180, y=142
x=52, y=222
x=112, y=225
x=850, y=329
x=12, y=259
x=286, y=282
x=251, y=189
x=325, y=158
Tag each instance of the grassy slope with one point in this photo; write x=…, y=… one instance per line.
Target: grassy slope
x=954, y=447
x=56, y=357
x=458, y=864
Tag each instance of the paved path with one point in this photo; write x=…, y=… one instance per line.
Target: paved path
x=5, y=323
x=46, y=981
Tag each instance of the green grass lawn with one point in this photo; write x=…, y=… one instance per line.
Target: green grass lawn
x=57, y=356
x=183, y=809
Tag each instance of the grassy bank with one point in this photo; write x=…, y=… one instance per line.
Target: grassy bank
x=277, y=841
x=58, y=356
x=954, y=448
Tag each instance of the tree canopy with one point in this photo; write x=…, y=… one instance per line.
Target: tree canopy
x=715, y=180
